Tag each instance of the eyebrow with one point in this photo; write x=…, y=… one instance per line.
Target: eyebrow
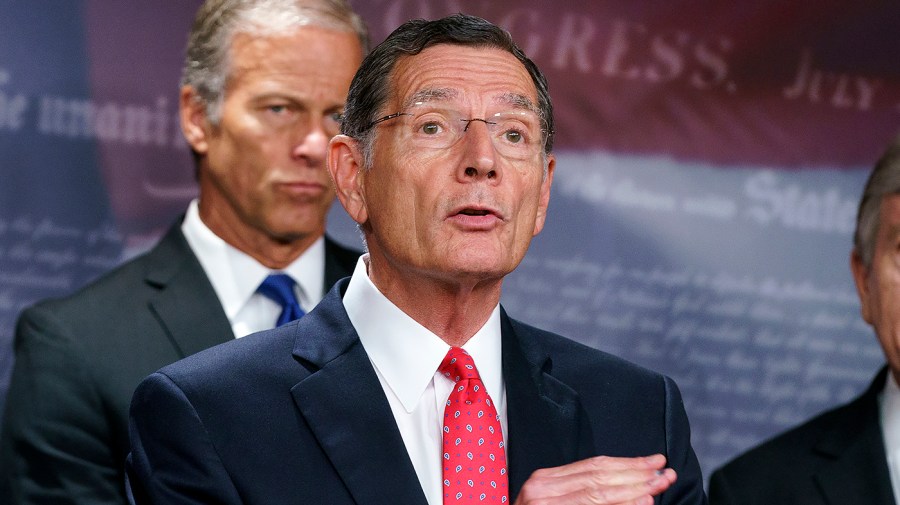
x=297, y=101
x=518, y=101
x=431, y=94
x=514, y=100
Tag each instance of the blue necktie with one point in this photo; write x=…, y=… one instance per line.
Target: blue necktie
x=280, y=289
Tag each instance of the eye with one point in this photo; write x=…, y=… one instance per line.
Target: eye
x=513, y=136
x=514, y=132
x=518, y=129
x=332, y=123
x=278, y=109
x=431, y=128
x=430, y=123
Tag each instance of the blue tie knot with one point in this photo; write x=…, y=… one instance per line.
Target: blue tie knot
x=280, y=289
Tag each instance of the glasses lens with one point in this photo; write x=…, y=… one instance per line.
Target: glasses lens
x=435, y=128
x=516, y=135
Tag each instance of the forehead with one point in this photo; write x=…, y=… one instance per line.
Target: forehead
x=299, y=51
x=475, y=76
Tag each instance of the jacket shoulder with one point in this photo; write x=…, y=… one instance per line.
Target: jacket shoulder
x=571, y=358
x=128, y=283
x=780, y=467
x=253, y=364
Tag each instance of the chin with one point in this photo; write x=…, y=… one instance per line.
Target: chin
x=290, y=235
x=479, y=269
x=490, y=259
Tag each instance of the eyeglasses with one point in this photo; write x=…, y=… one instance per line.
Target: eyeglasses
x=516, y=134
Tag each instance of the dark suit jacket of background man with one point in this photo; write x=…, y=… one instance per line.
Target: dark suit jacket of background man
x=836, y=458
x=147, y=313
x=303, y=418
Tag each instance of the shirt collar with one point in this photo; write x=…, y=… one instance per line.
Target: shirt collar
x=890, y=414
x=308, y=271
x=222, y=262
x=403, y=351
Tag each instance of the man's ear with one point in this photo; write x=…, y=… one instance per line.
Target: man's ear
x=194, y=124
x=345, y=165
x=861, y=279
x=546, y=183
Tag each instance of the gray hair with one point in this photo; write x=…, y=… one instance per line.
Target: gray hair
x=206, y=64
x=369, y=89
x=883, y=181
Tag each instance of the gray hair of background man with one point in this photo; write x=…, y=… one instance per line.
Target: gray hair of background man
x=206, y=65
x=369, y=90
x=883, y=181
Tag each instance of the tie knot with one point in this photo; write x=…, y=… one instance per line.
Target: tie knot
x=458, y=365
x=280, y=289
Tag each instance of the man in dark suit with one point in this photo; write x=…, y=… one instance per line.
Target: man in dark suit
x=850, y=454
x=408, y=383
x=263, y=86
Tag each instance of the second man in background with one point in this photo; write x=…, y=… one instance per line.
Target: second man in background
x=264, y=83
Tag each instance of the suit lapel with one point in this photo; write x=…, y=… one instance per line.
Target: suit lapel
x=856, y=470
x=184, y=297
x=344, y=404
x=181, y=282
x=542, y=413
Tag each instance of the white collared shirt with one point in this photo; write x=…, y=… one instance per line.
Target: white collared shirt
x=889, y=405
x=235, y=276
x=406, y=357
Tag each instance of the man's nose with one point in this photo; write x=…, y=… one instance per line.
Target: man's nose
x=311, y=143
x=480, y=157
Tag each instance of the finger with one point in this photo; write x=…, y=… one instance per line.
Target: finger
x=604, y=477
x=599, y=488
x=629, y=494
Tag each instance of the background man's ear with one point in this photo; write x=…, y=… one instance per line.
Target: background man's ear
x=194, y=123
x=861, y=279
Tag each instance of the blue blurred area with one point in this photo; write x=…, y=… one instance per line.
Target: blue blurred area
x=55, y=223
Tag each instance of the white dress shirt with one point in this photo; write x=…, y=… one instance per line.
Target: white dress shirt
x=235, y=276
x=406, y=357
x=890, y=429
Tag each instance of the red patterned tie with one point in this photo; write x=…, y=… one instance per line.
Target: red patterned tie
x=474, y=458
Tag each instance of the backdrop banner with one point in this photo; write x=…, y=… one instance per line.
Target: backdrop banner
x=710, y=160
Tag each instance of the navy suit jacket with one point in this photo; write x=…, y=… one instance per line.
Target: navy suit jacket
x=297, y=415
x=78, y=360
x=837, y=458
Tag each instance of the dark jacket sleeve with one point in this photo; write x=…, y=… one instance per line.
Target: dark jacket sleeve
x=688, y=489
x=55, y=445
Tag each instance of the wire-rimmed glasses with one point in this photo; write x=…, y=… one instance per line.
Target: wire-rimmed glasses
x=516, y=134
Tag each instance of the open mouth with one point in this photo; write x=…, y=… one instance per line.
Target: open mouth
x=474, y=212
